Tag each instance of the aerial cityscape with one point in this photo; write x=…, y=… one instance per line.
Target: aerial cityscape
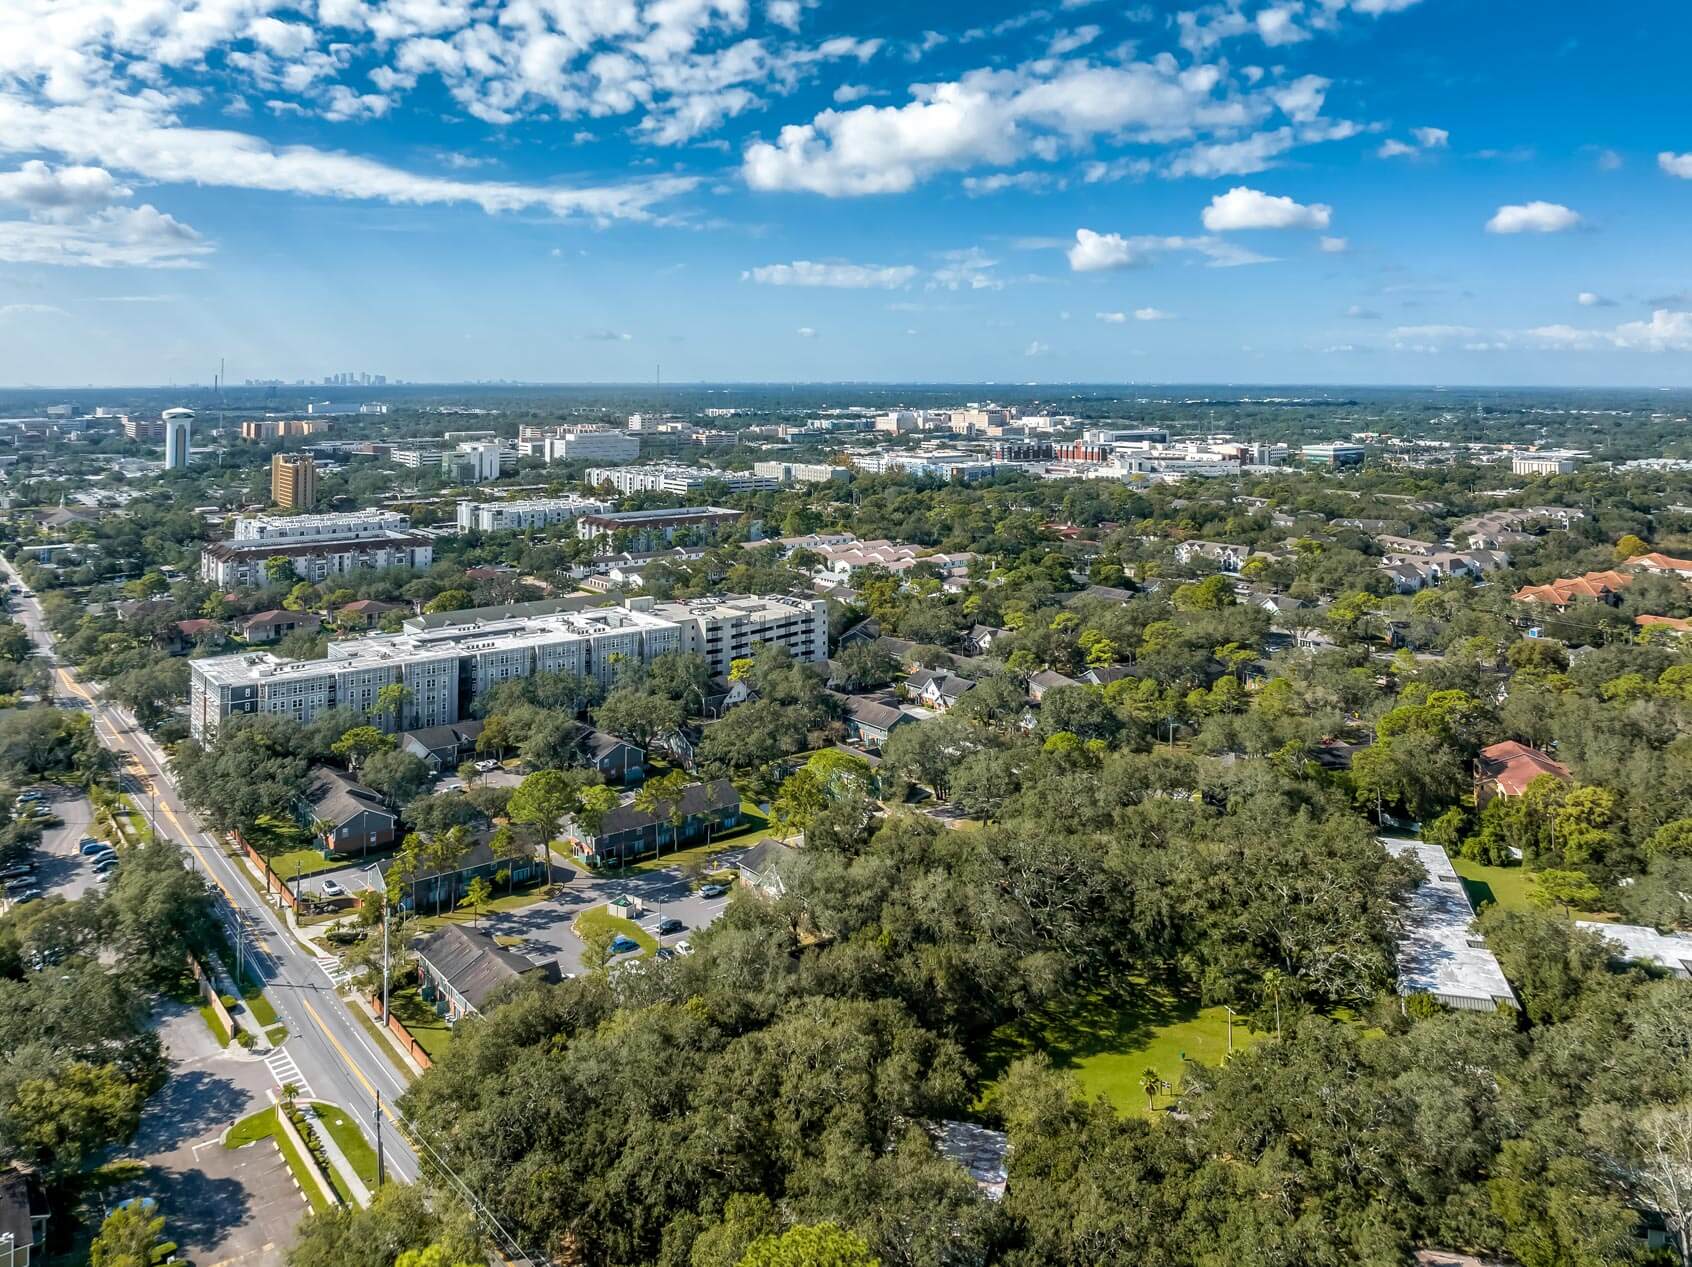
x=691, y=633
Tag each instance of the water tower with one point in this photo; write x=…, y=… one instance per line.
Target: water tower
x=178, y=433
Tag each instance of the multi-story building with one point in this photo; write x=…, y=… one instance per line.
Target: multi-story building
x=586, y=444
x=650, y=528
x=1335, y=454
x=478, y=462
x=662, y=477
x=142, y=429
x=526, y=514
x=318, y=546
x=1547, y=463
x=800, y=472
x=263, y=429
x=417, y=457
x=293, y=481
x=445, y=670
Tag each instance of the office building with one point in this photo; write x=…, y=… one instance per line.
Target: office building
x=526, y=514
x=1335, y=455
x=178, y=437
x=293, y=481
x=800, y=472
x=446, y=669
x=682, y=481
x=144, y=430
x=585, y=444
x=478, y=462
x=317, y=546
x=648, y=529
x=1548, y=463
x=417, y=457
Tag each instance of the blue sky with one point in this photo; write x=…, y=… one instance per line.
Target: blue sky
x=1335, y=191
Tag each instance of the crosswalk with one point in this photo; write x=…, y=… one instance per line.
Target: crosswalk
x=284, y=1070
x=334, y=969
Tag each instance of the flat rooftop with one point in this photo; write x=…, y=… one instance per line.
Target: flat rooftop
x=1440, y=952
x=1639, y=941
x=660, y=516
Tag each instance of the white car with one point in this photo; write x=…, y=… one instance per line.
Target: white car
x=332, y=889
x=683, y=948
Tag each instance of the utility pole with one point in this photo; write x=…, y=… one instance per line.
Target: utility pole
x=381, y=1158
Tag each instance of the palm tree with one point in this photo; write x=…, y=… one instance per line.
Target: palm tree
x=1274, y=981
x=1151, y=1082
x=477, y=896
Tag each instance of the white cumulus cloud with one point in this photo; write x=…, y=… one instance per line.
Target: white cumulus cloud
x=1112, y=318
x=1095, y=252
x=1152, y=314
x=1243, y=208
x=1676, y=164
x=1533, y=217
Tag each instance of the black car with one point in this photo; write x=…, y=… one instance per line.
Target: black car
x=670, y=925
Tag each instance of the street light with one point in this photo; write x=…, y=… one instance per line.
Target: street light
x=384, y=891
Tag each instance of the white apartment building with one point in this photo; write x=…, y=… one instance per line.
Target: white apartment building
x=578, y=444
x=446, y=669
x=664, y=477
x=318, y=547
x=416, y=456
x=526, y=514
x=478, y=462
x=800, y=472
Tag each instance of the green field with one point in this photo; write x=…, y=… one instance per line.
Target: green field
x=1109, y=1039
x=431, y=1031
x=1507, y=886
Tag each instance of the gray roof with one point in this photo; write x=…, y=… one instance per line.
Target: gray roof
x=453, y=735
x=1050, y=679
x=696, y=798
x=598, y=744
x=763, y=856
x=872, y=712
x=507, y=611
x=473, y=963
x=339, y=797
x=949, y=684
x=1440, y=952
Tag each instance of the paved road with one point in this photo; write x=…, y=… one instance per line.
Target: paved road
x=334, y=1057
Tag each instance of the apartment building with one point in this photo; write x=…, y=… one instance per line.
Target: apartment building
x=1335, y=455
x=478, y=462
x=683, y=481
x=649, y=529
x=526, y=514
x=1546, y=463
x=265, y=429
x=318, y=546
x=293, y=481
x=800, y=472
x=579, y=444
x=445, y=669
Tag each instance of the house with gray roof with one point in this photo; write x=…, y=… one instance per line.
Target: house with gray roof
x=354, y=817
x=628, y=833
x=460, y=969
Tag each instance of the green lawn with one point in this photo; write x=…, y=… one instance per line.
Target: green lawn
x=597, y=918
x=1108, y=1040
x=258, y=1004
x=431, y=1032
x=1507, y=886
x=337, y=1123
x=504, y=902
x=262, y=1125
x=222, y=1035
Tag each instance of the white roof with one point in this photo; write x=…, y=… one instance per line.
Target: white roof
x=1638, y=941
x=1440, y=952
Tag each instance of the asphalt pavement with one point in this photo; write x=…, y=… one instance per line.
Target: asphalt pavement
x=335, y=1057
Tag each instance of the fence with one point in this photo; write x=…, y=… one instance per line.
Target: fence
x=397, y=1028
x=208, y=991
x=273, y=883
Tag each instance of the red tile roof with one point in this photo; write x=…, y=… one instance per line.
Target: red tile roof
x=1512, y=766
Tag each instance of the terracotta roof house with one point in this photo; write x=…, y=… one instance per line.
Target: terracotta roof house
x=366, y=613
x=1673, y=624
x=1506, y=769
x=1658, y=562
x=1603, y=587
x=459, y=969
x=271, y=625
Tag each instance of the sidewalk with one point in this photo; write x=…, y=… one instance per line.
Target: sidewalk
x=333, y=1152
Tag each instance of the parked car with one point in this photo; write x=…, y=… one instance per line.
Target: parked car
x=483, y=767
x=28, y=895
x=670, y=925
x=18, y=871
x=622, y=945
x=330, y=888
x=91, y=846
x=665, y=953
x=683, y=948
x=712, y=890
x=105, y=864
x=98, y=856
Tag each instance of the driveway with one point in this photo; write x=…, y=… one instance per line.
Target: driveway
x=222, y=1207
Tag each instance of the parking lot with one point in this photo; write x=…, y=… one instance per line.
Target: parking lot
x=542, y=930
x=60, y=870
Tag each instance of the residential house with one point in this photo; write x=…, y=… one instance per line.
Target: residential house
x=436, y=885
x=681, y=745
x=627, y=833
x=1506, y=769
x=186, y=635
x=1047, y=680
x=1102, y=593
x=937, y=689
x=23, y=1218
x=761, y=867
x=442, y=747
x=353, y=816
x=1404, y=545
x=980, y=639
x=273, y=626
x=1226, y=555
x=1104, y=675
x=366, y=613
x=617, y=760
x=1602, y=587
x=459, y=969
x=1440, y=952
x=1677, y=625
x=870, y=720
x=1663, y=563
x=726, y=693
x=1279, y=606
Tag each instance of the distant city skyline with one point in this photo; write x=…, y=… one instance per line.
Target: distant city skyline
x=1262, y=192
